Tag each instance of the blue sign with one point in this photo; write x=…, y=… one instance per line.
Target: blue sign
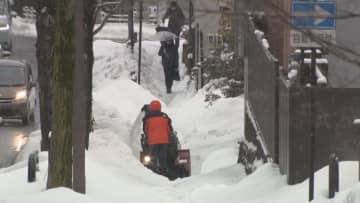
x=314, y=15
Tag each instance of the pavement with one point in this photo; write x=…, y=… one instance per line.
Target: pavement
x=13, y=131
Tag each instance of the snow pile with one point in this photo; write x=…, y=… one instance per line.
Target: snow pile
x=113, y=61
x=259, y=34
x=116, y=106
x=292, y=74
x=321, y=79
x=120, y=31
x=23, y=27
x=265, y=43
x=219, y=159
x=210, y=129
x=111, y=31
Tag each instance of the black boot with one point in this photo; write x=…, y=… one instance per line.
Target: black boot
x=168, y=90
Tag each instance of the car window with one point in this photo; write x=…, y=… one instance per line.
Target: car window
x=3, y=7
x=12, y=76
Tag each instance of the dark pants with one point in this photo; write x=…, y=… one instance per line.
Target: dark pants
x=169, y=77
x=160, y=152
x=177, y=45
x=177, y=42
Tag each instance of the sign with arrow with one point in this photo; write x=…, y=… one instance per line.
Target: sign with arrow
x=318, y=17
x=314, y=15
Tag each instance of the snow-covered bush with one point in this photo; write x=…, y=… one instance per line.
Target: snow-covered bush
x=223, y=64
x=222, y=88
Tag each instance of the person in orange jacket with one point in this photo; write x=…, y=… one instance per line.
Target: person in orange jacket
x=157, y=129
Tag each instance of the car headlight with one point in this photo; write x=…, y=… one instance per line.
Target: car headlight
x=19, y=141
x=20, y=95
x=4, y=26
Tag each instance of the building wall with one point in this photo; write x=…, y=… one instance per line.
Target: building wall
x=278, y=31
x=341, y=73
x=207, y=15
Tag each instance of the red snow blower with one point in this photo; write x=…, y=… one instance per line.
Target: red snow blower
x=178, y=161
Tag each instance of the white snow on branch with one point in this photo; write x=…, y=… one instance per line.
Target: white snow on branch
x=265, y=44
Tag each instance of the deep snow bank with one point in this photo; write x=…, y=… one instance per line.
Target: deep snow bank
x=113, y=61
x=210, y=131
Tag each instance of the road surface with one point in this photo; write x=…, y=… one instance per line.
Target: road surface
x=12, y=132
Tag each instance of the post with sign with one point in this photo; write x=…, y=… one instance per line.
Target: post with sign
x=317, y=17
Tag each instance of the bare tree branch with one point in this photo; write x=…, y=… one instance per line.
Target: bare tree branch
x=115, y=6
x=101, y=6
x=113, y=10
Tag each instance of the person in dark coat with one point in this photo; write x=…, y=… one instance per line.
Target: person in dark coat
x=176, y=21
x=169, y=61
x=157, y=129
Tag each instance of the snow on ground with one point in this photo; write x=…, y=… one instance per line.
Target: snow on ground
x=113, y=171
x=211, y=132
x=23, y=27
x=113, y=61
x=120, y=30
x=111, y=31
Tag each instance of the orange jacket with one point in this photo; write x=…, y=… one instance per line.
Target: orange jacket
x=157, y=128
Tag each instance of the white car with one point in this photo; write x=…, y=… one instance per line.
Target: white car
x=17, y=91
x=5, y=25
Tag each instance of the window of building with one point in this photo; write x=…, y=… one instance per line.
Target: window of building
x=215, y=40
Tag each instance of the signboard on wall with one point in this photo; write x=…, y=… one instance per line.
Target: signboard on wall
x=301, y=40
x=317, y=17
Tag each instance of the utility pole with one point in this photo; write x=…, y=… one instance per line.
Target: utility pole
x=80, y=100
x=236, y=23
x=158, y=9
x=131, y=24
x=140, y=39
x=191, y=32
